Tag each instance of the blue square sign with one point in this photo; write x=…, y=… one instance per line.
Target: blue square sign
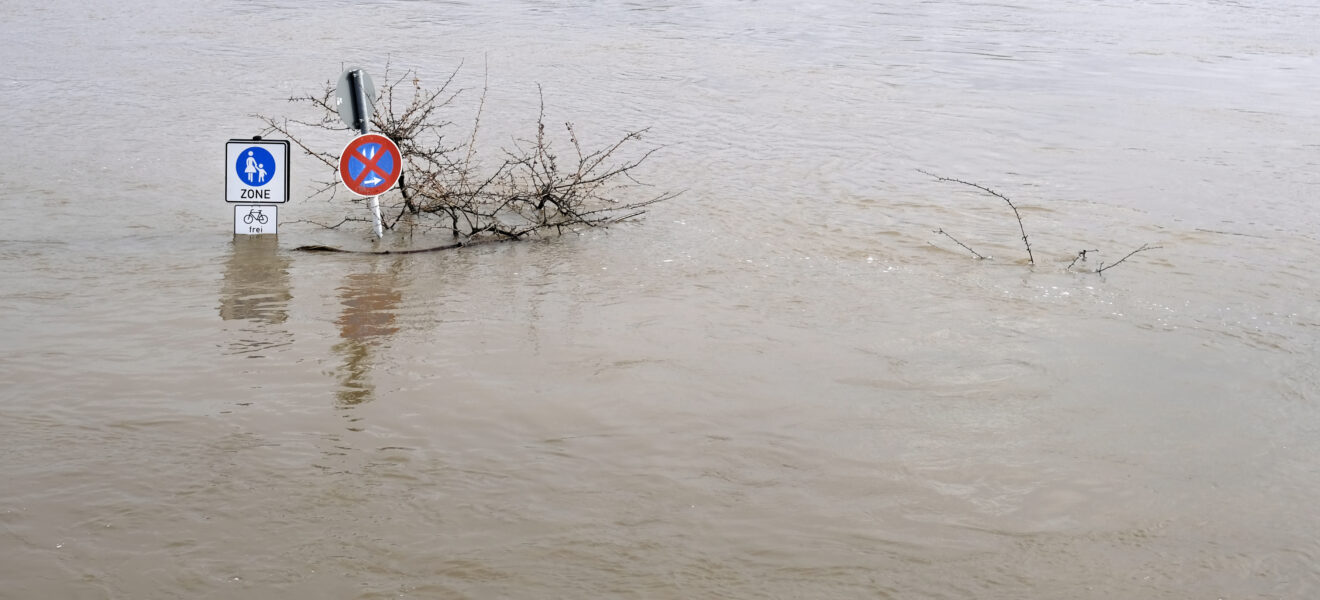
x=257, y=171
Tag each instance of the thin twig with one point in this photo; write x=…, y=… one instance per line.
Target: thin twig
x=955, y=240
x=476, y=121
x=1081, y=255
x=335, y=226
x=1031, y=259
x=1143, y=248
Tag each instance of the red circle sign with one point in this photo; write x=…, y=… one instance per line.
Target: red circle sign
x=370, y=164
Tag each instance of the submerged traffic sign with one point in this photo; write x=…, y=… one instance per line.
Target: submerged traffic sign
x=257, y=171
x=370, y=165
x=256, y=219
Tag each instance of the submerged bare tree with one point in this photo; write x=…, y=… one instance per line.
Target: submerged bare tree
x=531, y=190
x=1031, y=258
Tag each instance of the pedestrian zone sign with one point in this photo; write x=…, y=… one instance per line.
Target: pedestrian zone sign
x=257, y=171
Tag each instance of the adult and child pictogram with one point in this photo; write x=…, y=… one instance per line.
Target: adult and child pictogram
x=255, y=166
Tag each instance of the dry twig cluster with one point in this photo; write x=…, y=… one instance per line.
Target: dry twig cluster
x=532, y=190
x=1031, y=259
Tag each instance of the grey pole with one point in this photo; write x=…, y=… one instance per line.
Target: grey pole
x=359, y=93
x=359, y=100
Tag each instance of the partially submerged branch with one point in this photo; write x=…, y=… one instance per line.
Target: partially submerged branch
x=1143, y=248
x=955, y=240
x=1081, y=255
x=1030, y=257
x=530, y=192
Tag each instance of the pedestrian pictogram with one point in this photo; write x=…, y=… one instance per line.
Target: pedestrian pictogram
x=255, y=166
x=257, y=171
x=370, y=165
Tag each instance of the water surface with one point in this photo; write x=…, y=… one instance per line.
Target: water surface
x=781, y=384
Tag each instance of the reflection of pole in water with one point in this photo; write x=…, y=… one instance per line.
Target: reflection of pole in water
x=255, y=294
x=370, y=301
x=354, y=388
x=256, y=282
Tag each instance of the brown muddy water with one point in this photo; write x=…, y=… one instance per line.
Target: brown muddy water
x=782, y=384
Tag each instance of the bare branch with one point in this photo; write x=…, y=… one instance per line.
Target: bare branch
x=1030, y=258
x=336, y=225
x=529, y=193
x=955, y=240
x=1143, y=248
x=1081, y=255
x=476, y=121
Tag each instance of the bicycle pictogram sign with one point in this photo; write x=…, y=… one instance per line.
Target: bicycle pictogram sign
x=255, y=215
x=256, y=219
x=370, y=165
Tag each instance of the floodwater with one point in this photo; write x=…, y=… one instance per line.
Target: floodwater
x=782, y=384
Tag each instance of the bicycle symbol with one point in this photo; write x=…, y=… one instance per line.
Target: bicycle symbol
x=255, y=215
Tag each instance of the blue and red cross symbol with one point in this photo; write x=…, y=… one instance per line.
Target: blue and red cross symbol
x=370, y=164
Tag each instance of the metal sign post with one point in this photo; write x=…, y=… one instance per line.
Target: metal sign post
x=354, y=96
x=361, y=109
x=369, y=166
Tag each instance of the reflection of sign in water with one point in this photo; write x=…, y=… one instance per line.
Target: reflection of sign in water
x=257, y=171
x=256, y=288
x=370, y=302
x=254, y=219
x=370, y=165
